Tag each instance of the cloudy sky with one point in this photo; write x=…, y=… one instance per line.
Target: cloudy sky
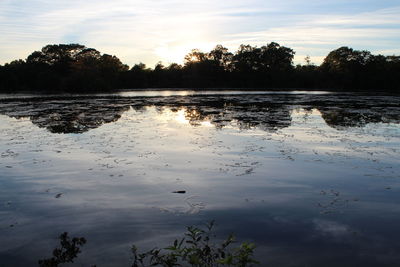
x=165, y=30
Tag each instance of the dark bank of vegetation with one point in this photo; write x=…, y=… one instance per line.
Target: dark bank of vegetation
x=75, y=68
x=195, y=249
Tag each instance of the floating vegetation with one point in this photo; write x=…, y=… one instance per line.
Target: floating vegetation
x=179, y=192
x=334, y=202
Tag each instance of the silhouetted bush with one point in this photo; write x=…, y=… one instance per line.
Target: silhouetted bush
x=69, y=250
x=197, y=249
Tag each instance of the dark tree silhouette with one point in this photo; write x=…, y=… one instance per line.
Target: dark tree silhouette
x=345, y=68
x=76, y=68
x=222, y=57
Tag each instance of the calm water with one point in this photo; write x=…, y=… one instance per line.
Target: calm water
x=312, y=179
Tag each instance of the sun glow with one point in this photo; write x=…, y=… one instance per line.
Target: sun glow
x=171, y=53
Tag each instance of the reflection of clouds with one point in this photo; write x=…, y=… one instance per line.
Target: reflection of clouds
x=331, y=228
x=191, y=205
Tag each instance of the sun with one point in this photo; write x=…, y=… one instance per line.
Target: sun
x=171, y=54
x=176, y=53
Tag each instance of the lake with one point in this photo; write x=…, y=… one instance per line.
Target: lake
x=312, y=178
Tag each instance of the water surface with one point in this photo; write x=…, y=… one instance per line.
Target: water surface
x=312, y=179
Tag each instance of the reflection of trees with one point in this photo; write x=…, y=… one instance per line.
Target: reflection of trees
x=195, y=116
x=337, y=117
x=64, y=117
x=266, y=112
x=268, y=118
x=272, y=112
x=78, y=121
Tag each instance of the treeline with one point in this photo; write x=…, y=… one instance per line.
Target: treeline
x=76, y=68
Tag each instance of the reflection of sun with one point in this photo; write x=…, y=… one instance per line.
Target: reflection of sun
x=184, y=116
x=180, y=116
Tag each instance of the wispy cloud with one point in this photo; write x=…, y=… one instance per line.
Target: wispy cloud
x=316, y=35
x=378, y=18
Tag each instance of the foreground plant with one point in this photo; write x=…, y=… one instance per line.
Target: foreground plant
x=196, y=249
x=69, y=250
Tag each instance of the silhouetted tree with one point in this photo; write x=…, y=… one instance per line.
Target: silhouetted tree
x=201, y=70
x=267, y=66
x=222, y=57
x=347, y=68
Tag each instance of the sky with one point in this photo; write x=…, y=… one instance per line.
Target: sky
x=150, y=31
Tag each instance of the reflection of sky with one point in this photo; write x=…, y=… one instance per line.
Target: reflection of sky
x=150, y=31
x=152, y=92
x=307, y=192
